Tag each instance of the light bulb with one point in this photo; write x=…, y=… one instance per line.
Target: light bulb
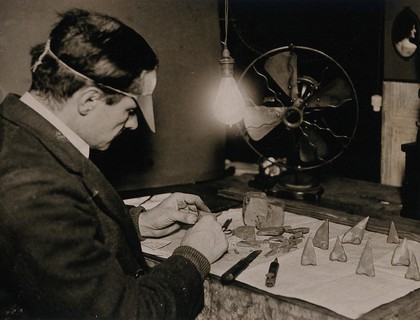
x=229, y=105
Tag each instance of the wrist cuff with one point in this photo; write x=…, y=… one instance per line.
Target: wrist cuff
x=196, y=257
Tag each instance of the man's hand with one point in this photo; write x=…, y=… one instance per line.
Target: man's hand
x=163, y=219
x=207, y=237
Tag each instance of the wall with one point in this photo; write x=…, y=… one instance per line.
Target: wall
x=189, y=143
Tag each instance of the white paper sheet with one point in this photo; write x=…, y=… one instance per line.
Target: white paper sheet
x=330, y=284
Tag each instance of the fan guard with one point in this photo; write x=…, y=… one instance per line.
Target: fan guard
x=301, y=113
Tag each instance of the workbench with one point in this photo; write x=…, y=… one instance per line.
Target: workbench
x=345, y=201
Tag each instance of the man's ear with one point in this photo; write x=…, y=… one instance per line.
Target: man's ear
x=88, y=99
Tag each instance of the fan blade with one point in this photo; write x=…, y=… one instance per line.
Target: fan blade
x=332, y=95
x=283, y=69
x=312, y=146
x=260, y=120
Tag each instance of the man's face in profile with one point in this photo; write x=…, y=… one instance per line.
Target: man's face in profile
x=109, y=121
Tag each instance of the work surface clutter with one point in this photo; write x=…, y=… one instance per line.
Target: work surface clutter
x=377, y=269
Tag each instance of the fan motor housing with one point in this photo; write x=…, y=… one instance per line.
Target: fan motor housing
x=293, y=117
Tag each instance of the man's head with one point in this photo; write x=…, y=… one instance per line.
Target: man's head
x=90, y=50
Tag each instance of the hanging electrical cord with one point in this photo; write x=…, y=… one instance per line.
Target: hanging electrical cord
x=226, y=23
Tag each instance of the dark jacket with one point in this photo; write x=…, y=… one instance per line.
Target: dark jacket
x=68, y=246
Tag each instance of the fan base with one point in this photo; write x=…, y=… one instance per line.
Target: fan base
x=310, y=194
x=295, y=186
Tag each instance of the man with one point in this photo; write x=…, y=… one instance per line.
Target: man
x=69, y=248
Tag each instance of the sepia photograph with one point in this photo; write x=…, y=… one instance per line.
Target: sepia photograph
x=209, y=159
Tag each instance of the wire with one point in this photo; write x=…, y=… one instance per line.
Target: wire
x=226, y=22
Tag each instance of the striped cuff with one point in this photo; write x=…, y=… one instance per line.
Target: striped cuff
x=196, y=257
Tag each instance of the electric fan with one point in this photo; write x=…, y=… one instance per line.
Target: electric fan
x=301, y=113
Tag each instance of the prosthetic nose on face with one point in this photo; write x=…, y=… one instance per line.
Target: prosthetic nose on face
x=132, y=122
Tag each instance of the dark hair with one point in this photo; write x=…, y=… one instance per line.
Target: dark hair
x=95, y=45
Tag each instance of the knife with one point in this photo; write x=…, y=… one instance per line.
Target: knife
x=230, y=275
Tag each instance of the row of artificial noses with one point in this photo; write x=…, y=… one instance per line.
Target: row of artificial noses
x=401, y=256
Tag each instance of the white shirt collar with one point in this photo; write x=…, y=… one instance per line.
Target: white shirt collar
x=74, y=139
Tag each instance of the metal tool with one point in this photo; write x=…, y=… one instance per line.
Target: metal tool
x=225, y=227
x=230, y=275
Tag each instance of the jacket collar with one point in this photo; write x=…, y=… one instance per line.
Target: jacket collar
x=77, y=141
x=19, y=113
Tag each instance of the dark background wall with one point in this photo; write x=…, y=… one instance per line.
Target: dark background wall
x=189, y=143
x=350, y=31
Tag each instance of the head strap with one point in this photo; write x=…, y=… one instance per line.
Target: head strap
x=146, y=106
x=47, y=50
